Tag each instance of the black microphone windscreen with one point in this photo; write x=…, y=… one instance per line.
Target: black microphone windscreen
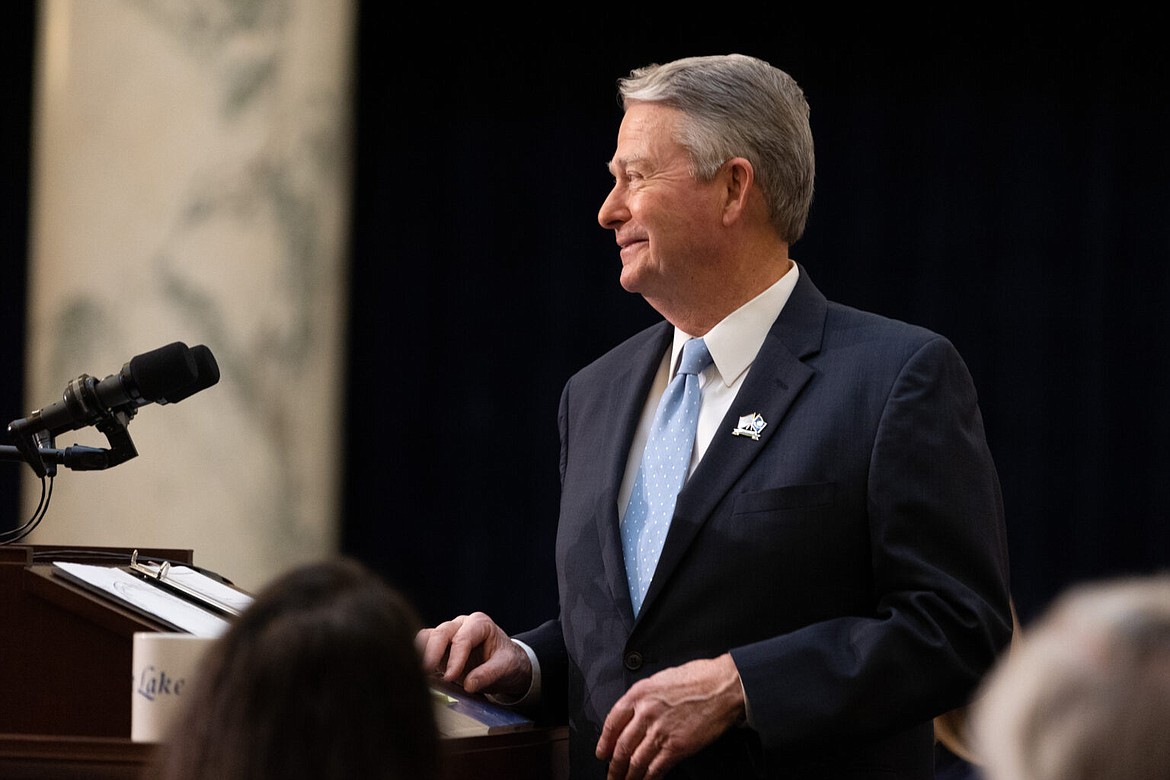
x=208, y=370
x=163, y=371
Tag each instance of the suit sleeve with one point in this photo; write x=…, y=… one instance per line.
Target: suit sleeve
x=941, y=612
x=547, y=640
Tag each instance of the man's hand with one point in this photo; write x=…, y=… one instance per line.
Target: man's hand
x=669, y=716
x=476, y=653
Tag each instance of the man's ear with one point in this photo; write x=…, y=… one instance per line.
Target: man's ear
x=739, y=179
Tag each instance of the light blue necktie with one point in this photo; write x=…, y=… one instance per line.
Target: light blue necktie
x=663, y=471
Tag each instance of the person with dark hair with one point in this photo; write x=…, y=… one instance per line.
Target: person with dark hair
x=317, y=679
x=781, y=549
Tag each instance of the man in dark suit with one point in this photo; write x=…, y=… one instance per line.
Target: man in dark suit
x=833, y=573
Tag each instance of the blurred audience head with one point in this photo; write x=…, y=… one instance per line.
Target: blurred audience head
x=1086, y=693
x=318, y=678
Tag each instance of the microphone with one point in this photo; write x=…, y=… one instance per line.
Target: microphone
x=207, y=370
x=165, y=375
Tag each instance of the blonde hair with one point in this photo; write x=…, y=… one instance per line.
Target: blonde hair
x=1086, y=694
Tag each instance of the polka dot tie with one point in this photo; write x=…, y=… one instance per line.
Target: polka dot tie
x=663, y=471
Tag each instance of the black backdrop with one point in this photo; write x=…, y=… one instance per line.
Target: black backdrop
x=16, y=54
x=1007, y=185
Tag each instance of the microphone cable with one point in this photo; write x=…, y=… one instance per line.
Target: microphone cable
x=13, y=535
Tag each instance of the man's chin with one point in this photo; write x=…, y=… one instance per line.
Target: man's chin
x=632, y=280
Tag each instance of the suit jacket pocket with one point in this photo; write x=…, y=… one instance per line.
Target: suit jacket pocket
x=801, y=546
x=787, y=497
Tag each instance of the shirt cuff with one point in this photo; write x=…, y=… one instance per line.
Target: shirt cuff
x=747, y=704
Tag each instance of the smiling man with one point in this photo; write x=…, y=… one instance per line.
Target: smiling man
x=695, y=249
x=781, y=548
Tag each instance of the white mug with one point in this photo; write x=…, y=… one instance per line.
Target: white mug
x=164, y=666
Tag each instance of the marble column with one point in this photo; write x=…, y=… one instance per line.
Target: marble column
x=191, y=170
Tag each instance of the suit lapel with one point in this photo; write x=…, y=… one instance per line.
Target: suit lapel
x=776, y=378
x=627, y=395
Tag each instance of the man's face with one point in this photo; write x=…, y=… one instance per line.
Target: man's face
x=665, y=221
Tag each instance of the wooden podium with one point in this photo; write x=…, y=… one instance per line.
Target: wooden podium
x=65, y=681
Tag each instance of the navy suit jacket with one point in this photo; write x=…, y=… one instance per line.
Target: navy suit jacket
x=853, y=559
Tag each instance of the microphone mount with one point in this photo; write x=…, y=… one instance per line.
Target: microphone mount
x=37, y=448
x=165, y=375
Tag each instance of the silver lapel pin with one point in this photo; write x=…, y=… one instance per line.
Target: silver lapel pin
x=750, y=425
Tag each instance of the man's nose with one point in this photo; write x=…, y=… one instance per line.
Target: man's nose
x=613, y=210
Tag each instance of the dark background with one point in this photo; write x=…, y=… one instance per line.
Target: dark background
x=1003, y=182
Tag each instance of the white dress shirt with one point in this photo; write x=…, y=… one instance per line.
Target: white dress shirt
x=733, y=344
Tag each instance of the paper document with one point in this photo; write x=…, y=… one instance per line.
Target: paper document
x=140, y=594
x=462, y=714
x=189, y=579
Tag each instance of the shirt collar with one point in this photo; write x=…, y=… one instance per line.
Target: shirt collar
x=736, y=340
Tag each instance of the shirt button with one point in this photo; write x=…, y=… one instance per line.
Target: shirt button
x=633, y=661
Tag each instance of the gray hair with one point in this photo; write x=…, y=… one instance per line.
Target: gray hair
x=738, y=106
x=1087, y=691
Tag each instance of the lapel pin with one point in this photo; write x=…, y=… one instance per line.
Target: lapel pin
x=750, y=425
